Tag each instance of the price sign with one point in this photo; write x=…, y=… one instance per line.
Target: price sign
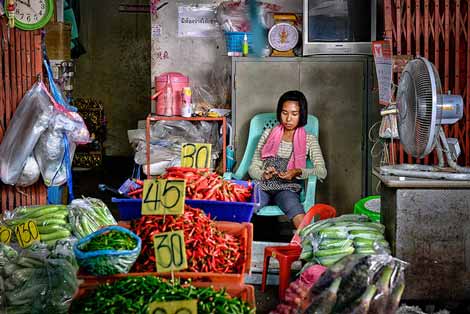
x=5, y=235
x=196, y=155
x=26, y=233
x=173, y=307
x=170, y=251
x=163, y=197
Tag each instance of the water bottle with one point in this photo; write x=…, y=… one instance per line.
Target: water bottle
x=186, y=109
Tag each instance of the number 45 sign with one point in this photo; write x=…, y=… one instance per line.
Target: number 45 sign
x=163, y=197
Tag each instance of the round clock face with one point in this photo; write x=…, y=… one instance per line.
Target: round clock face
x=283, y=36
x=33, y=14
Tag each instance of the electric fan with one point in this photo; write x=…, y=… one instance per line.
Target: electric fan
x=421, y=110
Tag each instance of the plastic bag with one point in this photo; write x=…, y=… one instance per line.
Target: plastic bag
x=51, y=221
x=327, y=241
x=30, y=173
x=49, y=153
x=168, y=136
x=30, y=120
x=38, y=280
x=233, y=15
x=107, y=262
x=87, y=215
x=356, y=284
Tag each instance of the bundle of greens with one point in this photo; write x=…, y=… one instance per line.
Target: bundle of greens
x=87, y=215
x=327, y=241
x=36, y=279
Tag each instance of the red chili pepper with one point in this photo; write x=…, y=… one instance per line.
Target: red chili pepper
x=135, y=192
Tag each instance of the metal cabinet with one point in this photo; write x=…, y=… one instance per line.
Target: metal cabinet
x=338, y=90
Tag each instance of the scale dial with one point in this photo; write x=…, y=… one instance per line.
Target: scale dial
x=283, y=36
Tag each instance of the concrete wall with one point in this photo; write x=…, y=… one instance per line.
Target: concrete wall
x=116, y=67
x=197, y=58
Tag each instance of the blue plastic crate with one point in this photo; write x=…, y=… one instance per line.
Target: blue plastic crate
x=222, y=211
x=234, y=41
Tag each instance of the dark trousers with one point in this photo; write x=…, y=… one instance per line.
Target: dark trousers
x=288, y=201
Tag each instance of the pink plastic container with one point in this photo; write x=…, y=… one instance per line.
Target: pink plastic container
x=169, y=87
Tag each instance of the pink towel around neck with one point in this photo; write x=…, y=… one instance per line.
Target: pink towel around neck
x=299, y=155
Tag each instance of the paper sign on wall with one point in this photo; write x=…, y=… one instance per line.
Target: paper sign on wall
x=382, y=51
x=198, y=21
x=173, y=307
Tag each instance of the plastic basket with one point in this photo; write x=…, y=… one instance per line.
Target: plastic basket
x=361, y=207
x=244, y=292
x=242, y=230
x=234, y=41
x=219, y=210
x=114, y=261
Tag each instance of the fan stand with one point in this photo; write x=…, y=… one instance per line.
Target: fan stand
x=439, y=172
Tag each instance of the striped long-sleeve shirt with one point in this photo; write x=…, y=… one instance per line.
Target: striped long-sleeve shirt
x=256, y=169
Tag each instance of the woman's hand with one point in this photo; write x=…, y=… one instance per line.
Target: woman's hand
x=269, y=173
x=290, y=174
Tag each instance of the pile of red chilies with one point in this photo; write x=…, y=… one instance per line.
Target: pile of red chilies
x=207, y=249
x=201, y=184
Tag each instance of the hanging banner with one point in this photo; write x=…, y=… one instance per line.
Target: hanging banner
x=198, y=21
x=382, y=51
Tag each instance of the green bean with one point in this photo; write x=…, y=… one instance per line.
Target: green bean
x=134, y=294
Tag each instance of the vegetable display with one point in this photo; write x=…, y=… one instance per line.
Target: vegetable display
x=108, y=251
x=87, y=215
x=207, y=249
x=112, y=240
x=358, y=284
x=134, y=294
x=37, y=280
x=327, y=241
x=204, y=185
x=51, y=221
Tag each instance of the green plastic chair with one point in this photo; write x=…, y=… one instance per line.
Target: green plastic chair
x=258, y=124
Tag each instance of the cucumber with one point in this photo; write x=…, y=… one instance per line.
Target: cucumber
x=45, y=211
x=50, y=229
x=372, y=235
x=333, y=233
x=360, y=242
x=57, y=215
x=51, y=222
x=55, y=236
x=336, y=251
x=330, y=260
x=314, y=227
x=334, y=243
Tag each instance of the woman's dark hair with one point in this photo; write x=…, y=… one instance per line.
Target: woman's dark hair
x=294, y=95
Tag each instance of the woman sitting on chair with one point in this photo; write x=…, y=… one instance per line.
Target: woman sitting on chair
x=279, y=162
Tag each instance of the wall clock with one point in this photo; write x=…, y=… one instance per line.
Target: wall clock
x=33, y=14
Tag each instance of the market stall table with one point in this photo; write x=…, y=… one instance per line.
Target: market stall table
x=428, y=225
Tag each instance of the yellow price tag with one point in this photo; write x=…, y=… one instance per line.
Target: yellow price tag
x=163, y=197
x=5, y=234
x=196, y=155
x=173, y=307
x=26, y=233
x=170, y=251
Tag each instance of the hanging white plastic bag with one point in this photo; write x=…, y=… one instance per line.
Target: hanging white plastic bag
x=30, y=173
x=50, y=149
x=28, y=123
